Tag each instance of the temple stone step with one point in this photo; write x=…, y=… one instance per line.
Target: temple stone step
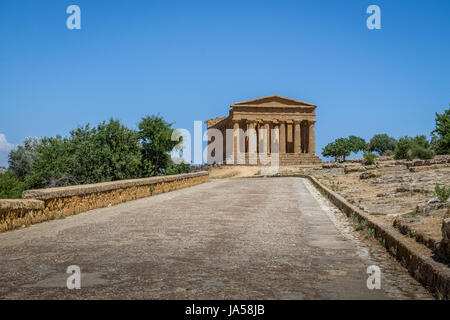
x=283, y=159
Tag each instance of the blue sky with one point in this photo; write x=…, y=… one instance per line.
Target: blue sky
x=189, y=60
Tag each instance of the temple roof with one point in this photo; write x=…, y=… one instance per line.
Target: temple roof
x=272, y=101
x=214, y=121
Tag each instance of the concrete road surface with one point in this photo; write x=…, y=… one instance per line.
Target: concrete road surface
x=251, y=238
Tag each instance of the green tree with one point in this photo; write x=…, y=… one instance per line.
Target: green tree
x=440, y=136
x=110, y=151
x=339, y=149
x=21, y=158
x=10, y=186
x=381, y=143
x=357, y=144
x=156, y=139
x=54, y=164
x=107, y=152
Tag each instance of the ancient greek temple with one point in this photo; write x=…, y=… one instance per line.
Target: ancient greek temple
x=263, y=128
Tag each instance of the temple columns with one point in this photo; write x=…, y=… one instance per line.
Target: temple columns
x=267, y=137
x=275, y=147
x=282, y=137
x=258, y=137
x=312, y=139
x=236, y=137
x=261, y=147
x=251, y=138
x=297, y=137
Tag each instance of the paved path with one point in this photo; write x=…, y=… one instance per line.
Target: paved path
x=254, y=238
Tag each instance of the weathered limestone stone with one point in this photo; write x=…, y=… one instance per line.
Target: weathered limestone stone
x=444, y=245
x=446, y=229
x=352, y=168
x=368, y=175
x=18, y=212
x=288, y=121
x=438, y=160
x=331, y=165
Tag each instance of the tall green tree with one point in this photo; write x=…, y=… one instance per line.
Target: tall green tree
x=440, y=136
x=381, y=143
x=21, y=158
x=156, y=139
x=115, y=151
x=54, y=164
x=342, y=147
x=338, y=149
x=357, y=144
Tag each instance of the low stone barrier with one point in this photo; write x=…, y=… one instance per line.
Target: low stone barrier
x=48, y=204
x=419, y=237
x=415, y=257
x=17, y=212
x=441, y=159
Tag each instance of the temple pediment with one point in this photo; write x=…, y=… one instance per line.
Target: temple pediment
x=272, y=101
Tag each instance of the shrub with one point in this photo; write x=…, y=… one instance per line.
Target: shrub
x=418, y=151
x=10, y=186
x=402, y=147
x=369, y=157
x=411, y=148
x=21, y=158
x=174, y=168
x=389, y=153
x=442, y=193
x=361, y=225
x=441, y=135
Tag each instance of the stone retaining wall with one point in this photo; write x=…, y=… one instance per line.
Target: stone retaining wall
x=16, y=213
x=419, y=237
x=440, y=159
x=48, y=204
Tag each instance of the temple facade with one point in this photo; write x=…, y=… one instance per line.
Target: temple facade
x=265, y=127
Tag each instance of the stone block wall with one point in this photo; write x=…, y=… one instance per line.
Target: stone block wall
x=16, y=213
x=48, y=204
